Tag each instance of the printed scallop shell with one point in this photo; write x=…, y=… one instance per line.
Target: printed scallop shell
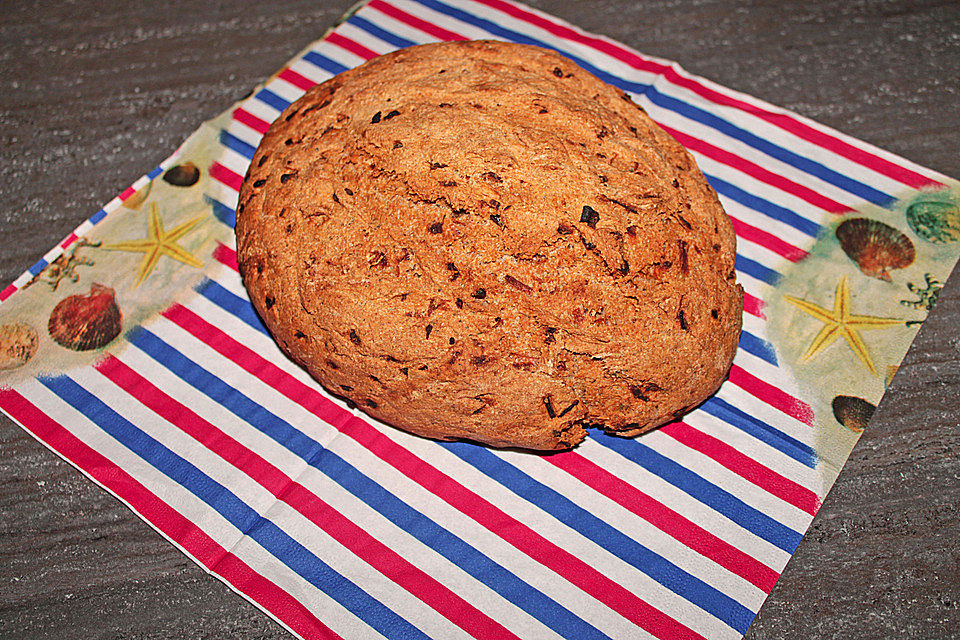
x=875, y=247
x=935, y=221
x=86, y=321
x=18, y=343
x=852, y=412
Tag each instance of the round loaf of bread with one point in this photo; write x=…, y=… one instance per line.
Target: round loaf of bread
x=483, y=241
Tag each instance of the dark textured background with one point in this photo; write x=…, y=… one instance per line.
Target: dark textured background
x=94, y=94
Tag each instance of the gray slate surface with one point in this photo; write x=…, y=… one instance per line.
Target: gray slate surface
x=94, y=94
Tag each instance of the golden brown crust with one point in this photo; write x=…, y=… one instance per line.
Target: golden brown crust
x=481, y=240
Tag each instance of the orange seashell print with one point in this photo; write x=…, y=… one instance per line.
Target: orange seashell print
x=18, y=343
x=852, y=412
x=86, y=321
x=875, y=247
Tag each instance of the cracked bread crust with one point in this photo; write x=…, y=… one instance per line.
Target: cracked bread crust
x=480, y=240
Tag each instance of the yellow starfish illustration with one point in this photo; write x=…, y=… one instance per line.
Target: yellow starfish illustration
x=840, y=322
x=158, y=243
